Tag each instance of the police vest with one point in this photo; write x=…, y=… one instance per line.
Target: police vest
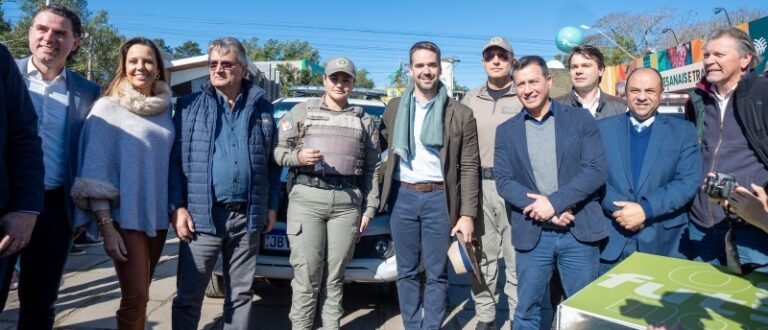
x=338, y=137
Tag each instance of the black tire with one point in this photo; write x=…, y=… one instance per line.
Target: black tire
x=215, y=287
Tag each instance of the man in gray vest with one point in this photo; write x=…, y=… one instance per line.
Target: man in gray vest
x=62, y=100
x=332, y=149
x=493, y=103
x=586, y=66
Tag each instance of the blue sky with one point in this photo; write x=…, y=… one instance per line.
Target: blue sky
x=376, y=35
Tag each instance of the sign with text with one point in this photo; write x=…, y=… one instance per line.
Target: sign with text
x=681, y=78
x=647, y=289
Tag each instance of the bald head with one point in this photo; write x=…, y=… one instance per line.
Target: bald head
x=644, y=91
x=644, y=72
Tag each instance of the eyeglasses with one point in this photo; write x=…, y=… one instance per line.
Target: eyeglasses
x=226, y=65
x=503, y=56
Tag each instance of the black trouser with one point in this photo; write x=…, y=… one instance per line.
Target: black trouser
x=7, y=266
x=42, y=263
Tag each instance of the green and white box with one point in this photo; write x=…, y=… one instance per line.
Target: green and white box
x=648, y=289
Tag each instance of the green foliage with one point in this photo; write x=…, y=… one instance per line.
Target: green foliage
x=160, y=43
x=362, y=80
x=188, y=49
x=399, y=78
x=274, y=50
x=292, y=76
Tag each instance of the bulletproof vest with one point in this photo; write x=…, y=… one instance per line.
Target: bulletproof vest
x=339, y=137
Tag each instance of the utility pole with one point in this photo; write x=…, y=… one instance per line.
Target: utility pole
x=89, y=38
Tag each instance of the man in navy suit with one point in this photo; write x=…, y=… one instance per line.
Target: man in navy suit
x=654, y=165
x=550, y=164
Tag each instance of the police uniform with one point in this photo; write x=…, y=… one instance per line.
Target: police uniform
x=327, y=199
x=496, y=237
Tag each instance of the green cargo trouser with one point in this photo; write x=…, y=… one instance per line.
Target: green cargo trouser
x=322, y=228
x=497, y=242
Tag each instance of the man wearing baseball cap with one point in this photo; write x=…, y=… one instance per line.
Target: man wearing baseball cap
x=492, y=103
x=332, y=150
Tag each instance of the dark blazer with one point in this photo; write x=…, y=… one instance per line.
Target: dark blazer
x=21, y=159
x=668, y=180
x=608, y=105
x=581, y=172
x=82, y=94
x=459, y=158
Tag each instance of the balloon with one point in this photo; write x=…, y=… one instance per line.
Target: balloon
x=569, y=37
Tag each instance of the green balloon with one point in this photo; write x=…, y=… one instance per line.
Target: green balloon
x=569, y=37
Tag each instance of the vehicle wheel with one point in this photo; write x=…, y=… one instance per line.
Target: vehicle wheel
x=215, y=287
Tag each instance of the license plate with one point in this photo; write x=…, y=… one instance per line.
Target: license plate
x=276, y=240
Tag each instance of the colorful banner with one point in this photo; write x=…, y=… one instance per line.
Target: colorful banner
x=679, y=64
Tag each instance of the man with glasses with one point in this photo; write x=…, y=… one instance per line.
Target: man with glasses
x=586, y=66
x=493, y=103
x=224, y=187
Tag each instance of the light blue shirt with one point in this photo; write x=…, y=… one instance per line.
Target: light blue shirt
x=424, y=165
x=51, y=99
x=641, y=126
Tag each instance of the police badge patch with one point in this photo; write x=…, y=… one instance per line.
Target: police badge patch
x=285, y=122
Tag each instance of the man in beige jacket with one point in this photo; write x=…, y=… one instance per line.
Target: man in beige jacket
x=493, y=103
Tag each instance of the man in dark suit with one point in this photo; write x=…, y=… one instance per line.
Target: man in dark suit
x=62, y=100
x=21, y=169
x=654, y=165
x=549, y=165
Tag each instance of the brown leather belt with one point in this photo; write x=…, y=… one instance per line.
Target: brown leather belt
x=423, y=186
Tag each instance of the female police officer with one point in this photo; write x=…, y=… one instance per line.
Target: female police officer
x=332, y=150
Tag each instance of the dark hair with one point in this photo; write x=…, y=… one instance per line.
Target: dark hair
x=120, y=70
x=528, y=61
x=661, y=80
x=77, y=25
x=74, y=20
x=589, y=52
x=426, y=45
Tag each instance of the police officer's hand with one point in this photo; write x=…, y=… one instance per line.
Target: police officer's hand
x=271, y=218
x=541, y=209
x=182, y=224
x=309, y=156
x=18, y=230
x=466, y=226
x=364, y=223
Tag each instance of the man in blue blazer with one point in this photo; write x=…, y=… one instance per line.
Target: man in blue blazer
x=62, y=100
x=550, y=164
x=654, y=164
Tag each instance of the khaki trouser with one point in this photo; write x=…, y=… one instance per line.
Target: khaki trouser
x=322, y=228
x=497, y=243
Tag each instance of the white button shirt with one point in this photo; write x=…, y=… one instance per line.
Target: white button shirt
x=51, y=99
